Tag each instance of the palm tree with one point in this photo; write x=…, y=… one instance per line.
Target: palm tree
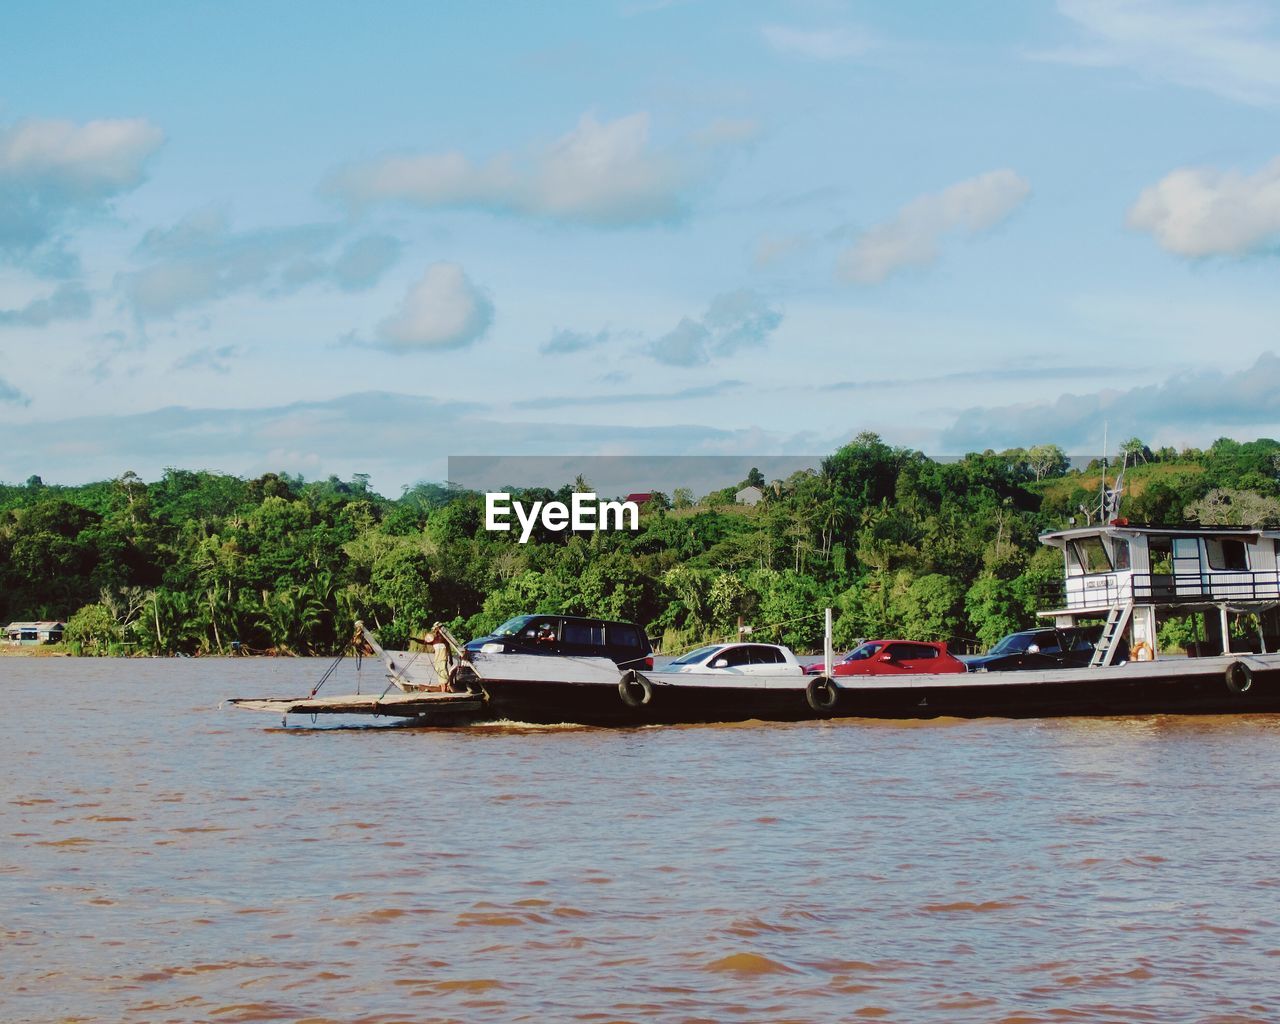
x=288, y=617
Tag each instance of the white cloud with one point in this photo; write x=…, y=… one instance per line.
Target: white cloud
x=396, y=437
x=601, y=173
x=1207, y=212
x=69, y=301
x=443, y=310
x=1223, y=48
x=202, y=258
x=772, y=249
x=563, y=342
x=209, y=358
x=912, y=238
x=362, y=262
x=818, y=44
x=686, y=344
x=1202, y=401
x=95, y=159
x=53, y=170
x=733, y=321
x=8, y=393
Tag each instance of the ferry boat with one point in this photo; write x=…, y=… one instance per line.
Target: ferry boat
x=1128, y=578
x=1124, y=579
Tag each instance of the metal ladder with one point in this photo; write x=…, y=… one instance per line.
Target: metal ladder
x=1105, y=648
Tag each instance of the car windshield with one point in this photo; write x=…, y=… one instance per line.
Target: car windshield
x=1014, y=643
x=695, y=656
x=512, y=626
x=863, y=652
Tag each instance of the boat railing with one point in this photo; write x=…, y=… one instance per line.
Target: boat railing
x=1171, y=588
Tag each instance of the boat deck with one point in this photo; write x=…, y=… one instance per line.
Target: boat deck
x=418, y=704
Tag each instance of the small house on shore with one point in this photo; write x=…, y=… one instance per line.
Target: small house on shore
x=29, y=634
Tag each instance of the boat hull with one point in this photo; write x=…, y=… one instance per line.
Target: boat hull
x=1199, y=686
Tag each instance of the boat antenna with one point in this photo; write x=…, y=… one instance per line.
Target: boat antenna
x=1111, y=495
x=1103, y=504
x=1108, y=506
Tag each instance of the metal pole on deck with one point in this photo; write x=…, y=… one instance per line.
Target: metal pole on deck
x=828, y=655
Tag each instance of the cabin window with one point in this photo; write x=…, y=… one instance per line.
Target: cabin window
x=1227, y=553
x=1088, y=556
x=1120, y=553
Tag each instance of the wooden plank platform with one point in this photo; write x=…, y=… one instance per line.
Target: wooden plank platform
x=398, y=705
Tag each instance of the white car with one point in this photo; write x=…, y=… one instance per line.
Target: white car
x=738, y=659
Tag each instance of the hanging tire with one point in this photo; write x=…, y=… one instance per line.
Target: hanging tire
x=1239, y=677
x=634, y=689
x=822, y=693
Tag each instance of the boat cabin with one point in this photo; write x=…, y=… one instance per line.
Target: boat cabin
x=1135, y=575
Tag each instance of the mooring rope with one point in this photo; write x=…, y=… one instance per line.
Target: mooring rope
x=328, y=673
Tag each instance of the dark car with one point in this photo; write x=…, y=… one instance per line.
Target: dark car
x=1041, y=648
x=570, y=636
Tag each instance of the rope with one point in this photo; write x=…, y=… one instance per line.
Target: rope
x=328, y=673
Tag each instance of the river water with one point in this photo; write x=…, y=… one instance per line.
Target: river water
x=161, y=860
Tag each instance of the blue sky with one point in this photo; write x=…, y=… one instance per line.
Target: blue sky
x=331, y=238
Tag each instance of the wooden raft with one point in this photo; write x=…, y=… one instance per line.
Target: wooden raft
x=398, y=705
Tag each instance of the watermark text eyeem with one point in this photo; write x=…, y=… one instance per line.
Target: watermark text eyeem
x=584, y=513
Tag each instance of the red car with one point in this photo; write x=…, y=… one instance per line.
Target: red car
x=892, y=657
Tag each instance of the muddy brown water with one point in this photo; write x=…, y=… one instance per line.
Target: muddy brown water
x=161, y=860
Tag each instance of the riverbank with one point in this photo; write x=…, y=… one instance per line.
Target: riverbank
x=37, y=651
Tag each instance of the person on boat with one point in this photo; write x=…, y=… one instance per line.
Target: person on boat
x=437, y=640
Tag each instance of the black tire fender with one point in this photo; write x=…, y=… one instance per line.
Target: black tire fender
x=822, y=693
x=634, y=689
x=1239, y=677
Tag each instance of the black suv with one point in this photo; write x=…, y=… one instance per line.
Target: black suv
x=1042, y=648
x=570, y=636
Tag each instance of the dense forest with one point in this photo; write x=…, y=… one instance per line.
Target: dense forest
x=898, y=544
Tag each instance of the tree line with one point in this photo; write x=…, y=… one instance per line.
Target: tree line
x=898, y=544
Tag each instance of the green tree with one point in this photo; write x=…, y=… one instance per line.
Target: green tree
x=994, y=608
x=289, y=617
x=931, y=608
x=1224, y=506
x=1047, y=460
x=93, y=630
